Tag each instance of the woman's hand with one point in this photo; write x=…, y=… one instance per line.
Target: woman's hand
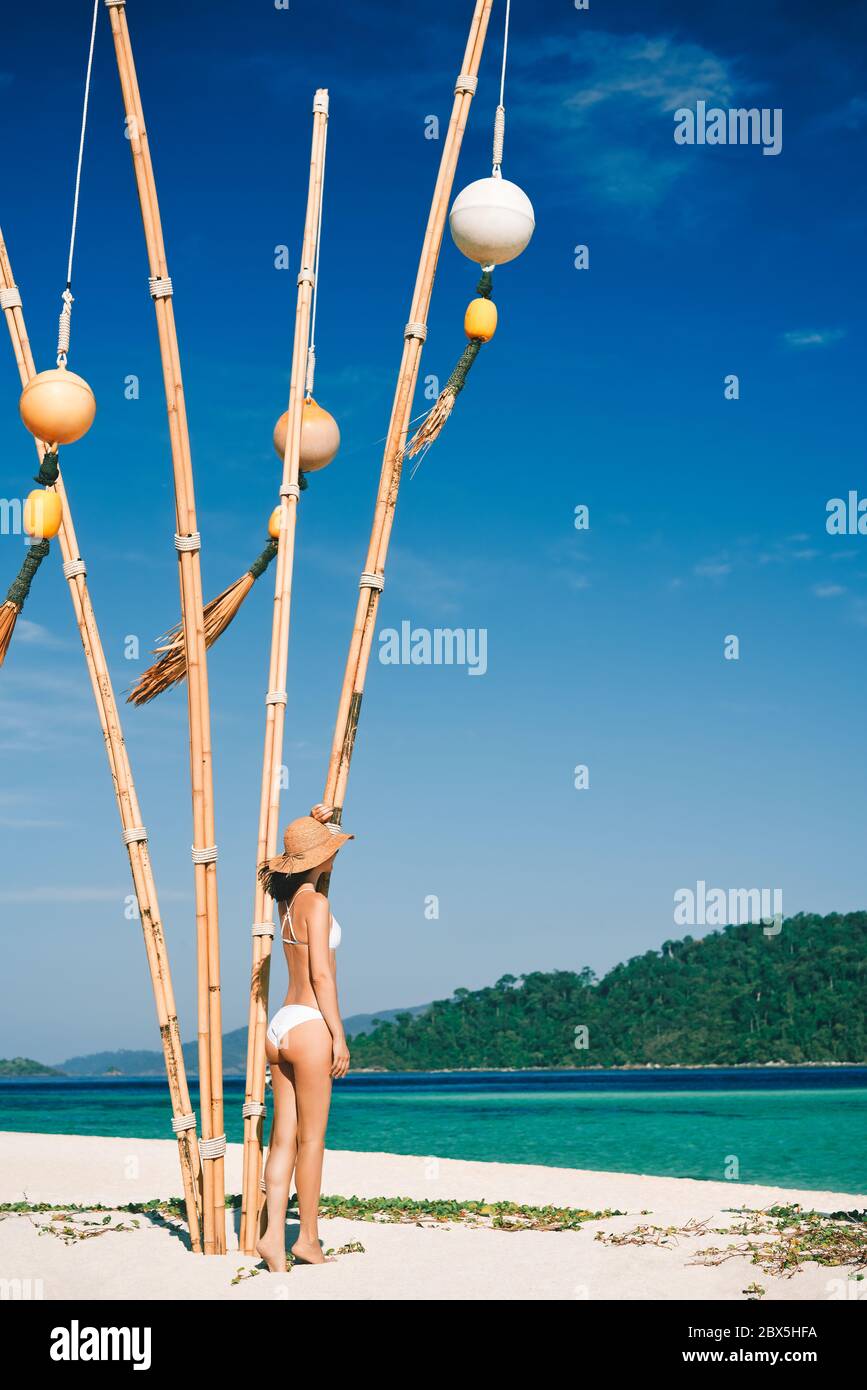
x=339, y=1058
x=322, y=813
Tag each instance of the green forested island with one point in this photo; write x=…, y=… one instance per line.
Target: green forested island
x=24, y=1066
x=734, y=996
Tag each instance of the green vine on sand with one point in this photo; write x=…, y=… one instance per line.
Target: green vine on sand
x=779, y=1239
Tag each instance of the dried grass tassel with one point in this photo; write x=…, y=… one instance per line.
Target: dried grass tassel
x=17, y=595
x=218, y=614
x=442, y=408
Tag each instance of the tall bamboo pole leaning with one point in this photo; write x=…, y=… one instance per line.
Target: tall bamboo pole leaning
x=371, y=579
x=187, y=543
x=275, y=698
x=134, y=832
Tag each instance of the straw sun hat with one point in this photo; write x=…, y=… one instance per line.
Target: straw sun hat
x=307, y=842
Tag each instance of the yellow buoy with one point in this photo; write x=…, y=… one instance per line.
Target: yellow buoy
x=320, y=436
x=57, y=406
x=274, y=524
x=43, y=513
x=480, y=320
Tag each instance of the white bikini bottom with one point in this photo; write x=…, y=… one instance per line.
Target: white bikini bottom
x=289, y=1017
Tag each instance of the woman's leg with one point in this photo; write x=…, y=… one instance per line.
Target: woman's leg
x=309, y=1047
x=281, y=1161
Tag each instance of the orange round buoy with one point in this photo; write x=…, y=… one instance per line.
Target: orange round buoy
x=57, y=406
x=43, y=513
x=274, y=524
x=480, y=320
x=320, y=436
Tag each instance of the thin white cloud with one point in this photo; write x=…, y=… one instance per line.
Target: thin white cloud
x=813, y=337
x=828, y=590
x=712, y=569
x=606, y=104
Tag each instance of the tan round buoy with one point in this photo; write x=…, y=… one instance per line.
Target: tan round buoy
x=320, y=436
x=57, y=406
x=43, y=513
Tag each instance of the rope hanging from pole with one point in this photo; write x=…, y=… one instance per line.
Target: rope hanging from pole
x=56, y=406
x=491, y=222
x=65, y=325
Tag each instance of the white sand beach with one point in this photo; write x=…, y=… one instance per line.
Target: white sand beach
x=399, y=1261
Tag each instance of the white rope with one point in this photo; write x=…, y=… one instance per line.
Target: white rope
x=136, y=835
x=11, y=298
x=253, y=1107
x=65, y=319
x=500, y=114
x=188, y=543
x=311, y=348
x=160, y=286
x=291, y=490
x=72, y=568
x=276, y=697
x=369, y=580
x=213, y=1148
x=263, y=928
x=182, y=1122
x=208, y=855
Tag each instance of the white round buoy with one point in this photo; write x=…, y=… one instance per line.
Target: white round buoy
x=491, y=221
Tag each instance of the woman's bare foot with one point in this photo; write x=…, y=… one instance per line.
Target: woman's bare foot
x=273, y=1253
x=308, y=1252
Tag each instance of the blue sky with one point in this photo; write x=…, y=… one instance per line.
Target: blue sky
x=603, y=387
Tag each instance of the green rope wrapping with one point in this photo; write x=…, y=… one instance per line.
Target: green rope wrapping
x=48, y=469
x=259, y=566
x=458, y=378
x=485, y=285
x=19, y=590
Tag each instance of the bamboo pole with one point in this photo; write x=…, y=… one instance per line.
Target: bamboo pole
x=127, y=801
x=362, y=637
x=351, y=694
x=275, y=700
x=201, y=770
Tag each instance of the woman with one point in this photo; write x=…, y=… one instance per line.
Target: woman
x=305, y=1043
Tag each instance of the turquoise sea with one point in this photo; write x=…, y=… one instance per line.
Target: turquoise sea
x=804, y=1127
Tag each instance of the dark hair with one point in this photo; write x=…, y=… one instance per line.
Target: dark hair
x=281, y=887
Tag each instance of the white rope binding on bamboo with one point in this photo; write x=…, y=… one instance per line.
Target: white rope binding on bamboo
x=276, y=697
x=306, y=277
x=72, y=568
x=136, y=835
x=179, y=1122
x=320, y=101
x=114, y=4
x=466, y=83
x=213, y=1148
x=252, y=1108
x=11, y=298
x=208, y=855
x=371, y=581
x=185, y=543
x=160, y=286
x=291, y=490
x=263, y=928
x=416, y=330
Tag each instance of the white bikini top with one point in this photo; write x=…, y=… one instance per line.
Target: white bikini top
x=334, y=935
